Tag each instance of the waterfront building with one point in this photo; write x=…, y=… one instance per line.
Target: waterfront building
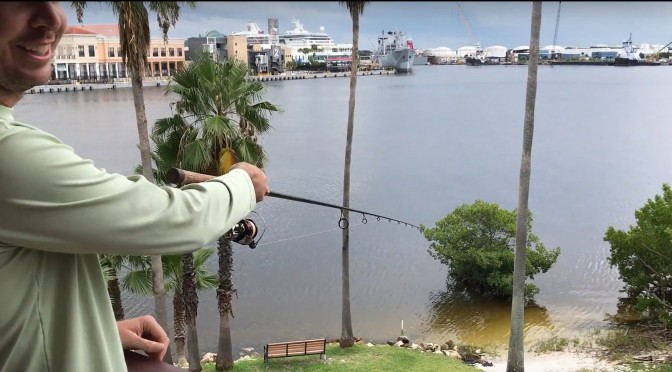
x=441, y=56
x=93, y=52
x=213, y=43
x=496, y=51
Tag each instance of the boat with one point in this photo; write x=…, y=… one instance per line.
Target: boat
x=394, y=51
x=303, y=45
x=299, y=37
x=255, y=35
x=628, y=56
x=479, y=58
x=420, y=59
x=476, y=59
x=581, y=63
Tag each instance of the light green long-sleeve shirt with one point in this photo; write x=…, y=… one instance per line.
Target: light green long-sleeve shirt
x=57, y=213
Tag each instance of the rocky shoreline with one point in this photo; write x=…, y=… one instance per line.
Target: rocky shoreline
x=468, y=354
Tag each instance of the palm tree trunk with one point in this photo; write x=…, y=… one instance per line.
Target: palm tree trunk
x=225, y=294
x=516, y=358
x=160, y=303
x=347, y=338
x=191, y=310
x=114, y=292
x=180, y=320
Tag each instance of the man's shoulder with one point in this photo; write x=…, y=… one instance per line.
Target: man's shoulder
x=15, y=130
x=16, y=125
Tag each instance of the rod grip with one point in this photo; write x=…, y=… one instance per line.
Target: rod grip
x=183, y=177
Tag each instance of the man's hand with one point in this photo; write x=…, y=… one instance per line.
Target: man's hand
x=143, y=333
x=258, y=178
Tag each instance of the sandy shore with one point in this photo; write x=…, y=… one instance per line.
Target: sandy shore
x=565, y=361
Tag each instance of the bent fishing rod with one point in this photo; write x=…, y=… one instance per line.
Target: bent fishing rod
x=245, y=231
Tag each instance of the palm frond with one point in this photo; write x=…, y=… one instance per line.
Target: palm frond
x=197, y=156
x=202, y=255
x=134, y=34
x=138, y=282
x=250, y=152
x=206, y=281
x=219, y=129
x=79, y=7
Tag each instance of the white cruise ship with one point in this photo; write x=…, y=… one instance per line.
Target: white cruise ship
x=255, y=35
x=303, y=44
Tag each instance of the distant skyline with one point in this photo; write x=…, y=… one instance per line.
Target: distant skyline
x=429, y=24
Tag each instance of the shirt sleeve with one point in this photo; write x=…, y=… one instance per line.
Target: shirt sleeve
x=53, y=200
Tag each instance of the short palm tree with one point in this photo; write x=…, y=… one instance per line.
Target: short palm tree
x=219, y=116
x=111, y=266
x=138, y=281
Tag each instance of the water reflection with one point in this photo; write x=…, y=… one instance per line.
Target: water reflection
x=474, y=319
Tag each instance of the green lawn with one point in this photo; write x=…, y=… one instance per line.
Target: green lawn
x=358, y=358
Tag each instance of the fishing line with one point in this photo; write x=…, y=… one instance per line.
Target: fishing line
x=306, y=235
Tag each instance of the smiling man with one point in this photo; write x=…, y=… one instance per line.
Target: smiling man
x=58, y=212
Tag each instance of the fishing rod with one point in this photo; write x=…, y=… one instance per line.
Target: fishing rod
x=245, y=230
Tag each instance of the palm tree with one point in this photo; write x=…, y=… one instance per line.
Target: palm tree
x=515, y=361
x=165, y=157
x=111, y=266
x=135, y=39
x=356, y=8
x=219, y=116
x=138, y=281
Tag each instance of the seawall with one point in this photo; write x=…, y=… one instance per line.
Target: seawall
x=125, y=83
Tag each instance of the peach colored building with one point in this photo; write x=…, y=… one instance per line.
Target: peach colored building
x=94, y=52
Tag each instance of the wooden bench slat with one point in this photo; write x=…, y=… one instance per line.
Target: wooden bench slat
x=319, y=340
x=295, y=348
x=309, y=350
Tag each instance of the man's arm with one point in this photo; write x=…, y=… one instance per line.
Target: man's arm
x=53, y=200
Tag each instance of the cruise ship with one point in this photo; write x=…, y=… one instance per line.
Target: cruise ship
x=255, y=35
x=303, y=44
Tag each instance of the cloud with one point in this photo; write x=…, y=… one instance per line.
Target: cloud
x=430, y=24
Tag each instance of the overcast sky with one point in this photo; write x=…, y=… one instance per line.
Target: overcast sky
x=429, y=24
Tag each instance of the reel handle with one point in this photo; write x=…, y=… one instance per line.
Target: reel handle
x=183, y=177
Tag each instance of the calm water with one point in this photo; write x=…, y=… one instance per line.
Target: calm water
x=423, y=144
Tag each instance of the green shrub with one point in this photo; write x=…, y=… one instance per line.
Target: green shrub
x=642, y=256
x=477, y=243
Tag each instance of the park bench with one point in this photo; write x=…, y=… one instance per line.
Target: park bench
x=296, y=348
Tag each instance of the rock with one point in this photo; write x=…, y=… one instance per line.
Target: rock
x=370, y=344
x=209, y=358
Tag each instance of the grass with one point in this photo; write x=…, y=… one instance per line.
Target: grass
x=550, y=345
x=615, y=345
x=355, y=359
x=619, y=346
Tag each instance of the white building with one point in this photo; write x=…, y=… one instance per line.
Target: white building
x=497, y=51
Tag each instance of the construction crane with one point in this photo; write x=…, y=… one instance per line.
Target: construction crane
x=557, y=25
x=473, y=37
x=656, y=55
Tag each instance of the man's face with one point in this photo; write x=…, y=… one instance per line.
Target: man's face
x=29, y=33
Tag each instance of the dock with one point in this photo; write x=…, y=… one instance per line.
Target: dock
x=125, y=83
